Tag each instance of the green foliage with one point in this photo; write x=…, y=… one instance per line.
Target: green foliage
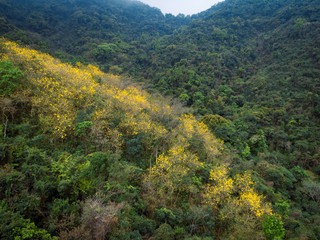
x=11, y=181
x=116, y=70
x=14, y=226
x=255, y=63
x=30, y=231
x=83, y=128
x=69, y=172
x=299, y=173
x=9, y=77
x=184, y=97
x=282, y=208
x=105, y=52
x=273, y=228
x=214, y=121
x=164, y=215
x=99, y=163
x=246, y=151
x=164, y=232
x=63, y=207
x=134, y=235
x=258, y=143
x=134, y=150
x=143, y=225
x=282, y=178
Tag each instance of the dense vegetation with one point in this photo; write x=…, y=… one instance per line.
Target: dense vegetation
x=106, y=31
x=86, y=154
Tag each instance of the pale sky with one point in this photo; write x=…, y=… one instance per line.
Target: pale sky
x=187, y=7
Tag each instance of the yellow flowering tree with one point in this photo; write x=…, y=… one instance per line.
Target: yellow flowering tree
x=60, y=91
x=239, y=205
x=172, y=173
x=220, y=188
x=199, y=139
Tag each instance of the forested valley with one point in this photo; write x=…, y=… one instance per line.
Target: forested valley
x=120, y=122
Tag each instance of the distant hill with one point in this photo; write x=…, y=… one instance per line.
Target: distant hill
x=79, y=27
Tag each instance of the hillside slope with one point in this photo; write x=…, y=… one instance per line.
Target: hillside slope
x=252, y=62
x=83, y=153
x=248, y=69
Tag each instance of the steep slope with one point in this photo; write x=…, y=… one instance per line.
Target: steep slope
x=250, y=71
x=73, y=134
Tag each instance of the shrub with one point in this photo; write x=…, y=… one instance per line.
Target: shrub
x=164, y=232
x=99, y=163
x=273, y=228
x=299, y=173
x=143, y=225
x=282, y=208
x=9, y=77
x=214, y=121
x=14, y=226
x=83, y=128
x=164, y=215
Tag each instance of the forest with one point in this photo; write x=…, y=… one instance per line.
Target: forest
x=120, y=122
